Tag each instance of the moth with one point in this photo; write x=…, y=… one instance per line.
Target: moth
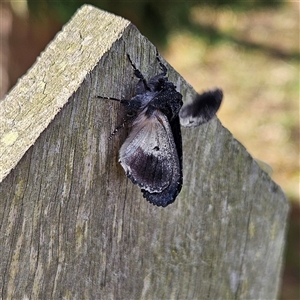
x=152, y=153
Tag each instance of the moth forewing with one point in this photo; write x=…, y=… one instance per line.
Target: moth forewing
x=149, y=154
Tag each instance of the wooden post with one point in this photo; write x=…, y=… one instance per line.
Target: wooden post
x=74, y=227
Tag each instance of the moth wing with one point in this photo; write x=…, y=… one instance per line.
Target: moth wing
x=203, y=108
x=149, y=155
x=169, y=195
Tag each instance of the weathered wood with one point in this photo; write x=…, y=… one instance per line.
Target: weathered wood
x=74, y=227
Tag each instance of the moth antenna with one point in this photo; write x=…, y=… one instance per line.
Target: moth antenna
x=162, y=66
x=138, y=73
x=109, y=98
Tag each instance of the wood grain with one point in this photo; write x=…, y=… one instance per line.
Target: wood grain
x=74, y=227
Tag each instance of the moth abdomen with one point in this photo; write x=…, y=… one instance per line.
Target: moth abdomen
x=202, y=109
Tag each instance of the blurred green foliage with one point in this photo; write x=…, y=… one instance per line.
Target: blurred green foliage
x=155, y=19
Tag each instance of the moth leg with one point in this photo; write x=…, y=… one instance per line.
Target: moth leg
x=119, y=127
x=130, y=116
x=109, y=98
x=138, y=73
x=162, y=66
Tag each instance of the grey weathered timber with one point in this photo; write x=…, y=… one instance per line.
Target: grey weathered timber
x=74, y=227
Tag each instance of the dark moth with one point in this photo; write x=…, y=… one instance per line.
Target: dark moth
x=152, y=153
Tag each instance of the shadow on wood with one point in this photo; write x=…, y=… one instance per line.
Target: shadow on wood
x=72, y=224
